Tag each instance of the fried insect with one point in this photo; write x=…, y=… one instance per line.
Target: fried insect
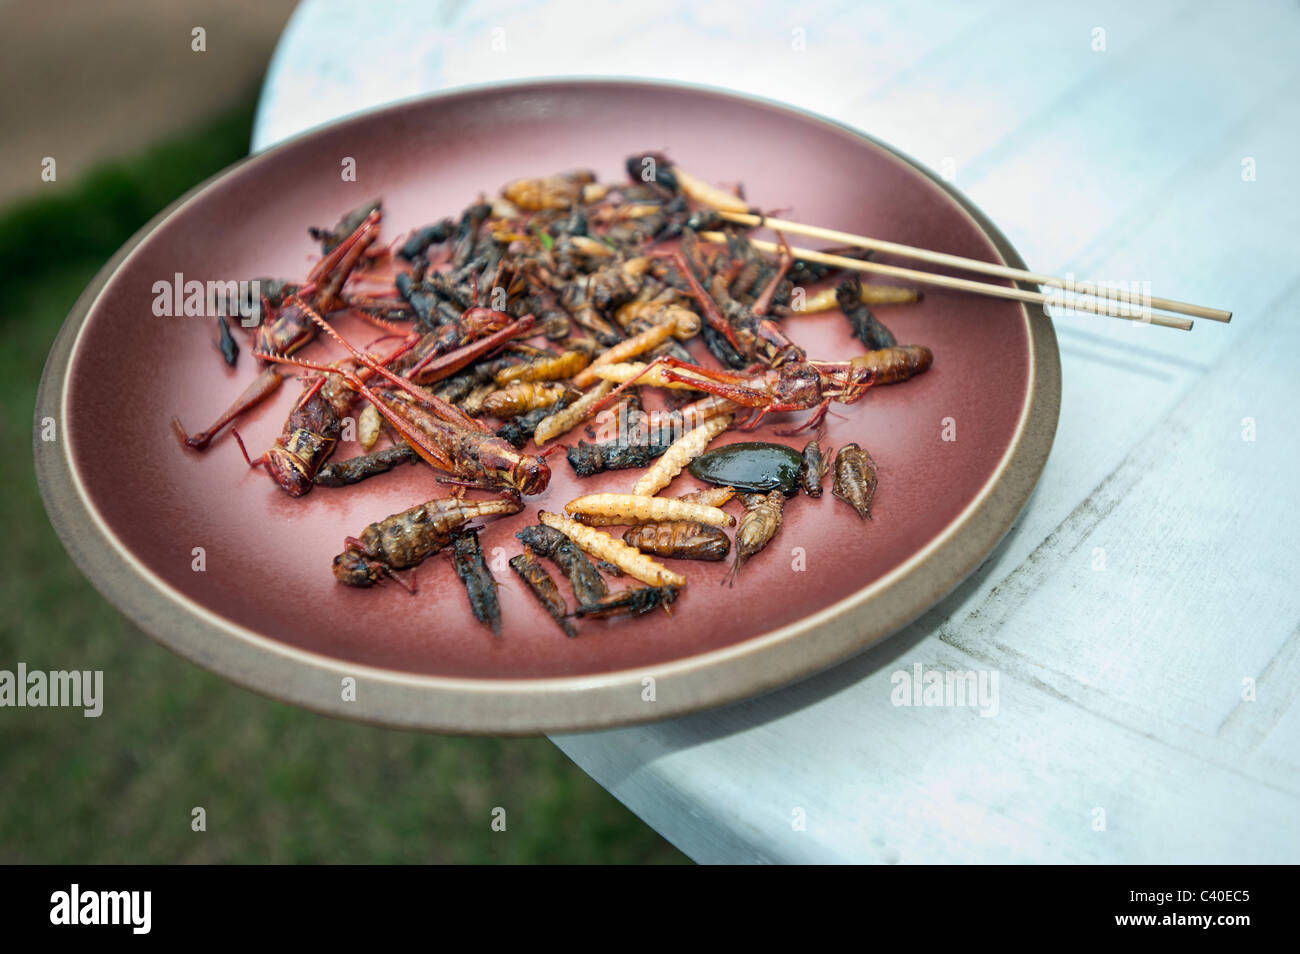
x=609, y=569
x=588, y=585
x=368, y=425
x=604, y=547
x=638, y=344
x=855, y=479
x=291, y=324
x=587, y=459
x=761, y=522
x=576, y=299
x=311, y=432
x=683, y=450
x=866, y=326
x=405, y=539
x=642, y=374
x=709, y=497
x=813, y=468
x=356, y=469
x=755, y=467
x=543, y=586
x=662, y=171
x=685, y=324
x=467, y=558
x=422, y=238
x=519, y=430
x=633, y=601
x=554, y=368
x=634, y=509
x=330, y=239
x=548, y=192
x=228, y=345
x=570, y=417
x=669, y=424
x=892, y=365
x=520, y=398
x=679, y=540
x=443, y=435
x=801, y=385
x=828, y=298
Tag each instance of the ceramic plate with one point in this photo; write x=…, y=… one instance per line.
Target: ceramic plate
x=265, y=611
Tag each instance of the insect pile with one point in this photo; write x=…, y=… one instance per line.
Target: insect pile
x=562, y=305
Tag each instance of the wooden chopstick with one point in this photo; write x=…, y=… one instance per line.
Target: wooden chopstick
x=1109, y=308
x=974, y=265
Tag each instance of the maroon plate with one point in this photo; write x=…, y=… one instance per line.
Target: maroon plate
x=132, y=506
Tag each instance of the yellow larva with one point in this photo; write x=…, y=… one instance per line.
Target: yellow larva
x=546, y=369
x=570, y=417
x=709, y=497
x=680, y=453
x=620, y=352
x=622, y=373
x=633, y=509
x=824, y=300
x=604, y=547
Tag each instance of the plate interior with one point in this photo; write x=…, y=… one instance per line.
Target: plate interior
x=267, y=556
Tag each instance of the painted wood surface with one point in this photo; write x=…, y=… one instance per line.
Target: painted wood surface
x=1153, y=581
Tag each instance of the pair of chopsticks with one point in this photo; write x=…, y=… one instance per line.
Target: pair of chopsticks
x=1112, y=302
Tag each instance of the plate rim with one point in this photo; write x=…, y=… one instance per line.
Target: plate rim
x=516, y=706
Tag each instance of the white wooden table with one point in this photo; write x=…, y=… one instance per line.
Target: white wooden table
x=1153, y=579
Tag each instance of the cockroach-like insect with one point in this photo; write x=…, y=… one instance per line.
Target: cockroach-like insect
x=813, y=468
x=761, y=522
x=855, y=479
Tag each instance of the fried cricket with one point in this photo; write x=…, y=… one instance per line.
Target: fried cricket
x=467, y=558
x=543, y=588
x=406, y=539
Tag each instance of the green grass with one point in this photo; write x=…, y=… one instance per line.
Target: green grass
x=278, y=784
